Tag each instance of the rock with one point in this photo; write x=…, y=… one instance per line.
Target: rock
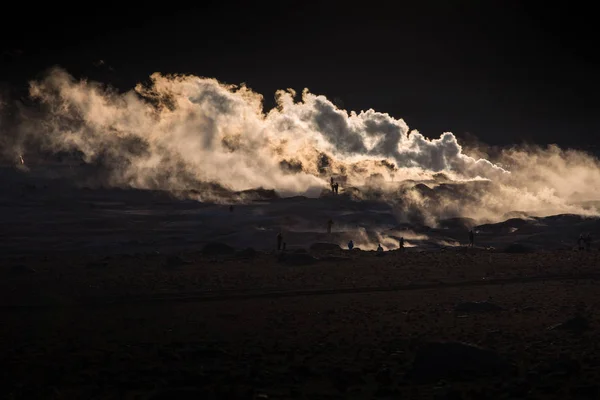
x=325, y=247
x=477, y=307
x=217, y=249
x=576, y=324
x=441, y=360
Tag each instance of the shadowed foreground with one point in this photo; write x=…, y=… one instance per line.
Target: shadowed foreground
x=346, y=325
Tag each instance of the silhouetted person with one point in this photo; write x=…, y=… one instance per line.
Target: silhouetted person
x=231, y=208
x=329, y=223
x=332, y=185
x=379, y=248
x=336, y=187
x=279, y=240
x=402, y=243
x=350, y=245
x=580, y=242
x=471, y=238
x=588, y=242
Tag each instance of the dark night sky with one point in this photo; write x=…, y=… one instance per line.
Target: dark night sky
x=505, y=71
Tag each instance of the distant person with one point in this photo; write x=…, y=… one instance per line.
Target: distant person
x=402, y=243
x=336, y=186
x=350, y=245
x=588, y=242
x=329, y=223
x=580, y=242
x=379, y=248
x=332, y=185
x=471, y=238
x=279, y=240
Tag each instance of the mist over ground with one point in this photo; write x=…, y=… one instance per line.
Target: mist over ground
x=201, y=139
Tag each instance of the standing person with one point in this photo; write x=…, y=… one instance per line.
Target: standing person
x=588, y=241
x=350, y=244
x=279, y=241
x=471, y=238
x=580, y=241
x=331, y=184
x=329, y=223
x=379, y=248
x=402, y=243
x=336, y=186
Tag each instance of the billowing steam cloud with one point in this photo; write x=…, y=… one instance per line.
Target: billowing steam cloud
x=180, y=132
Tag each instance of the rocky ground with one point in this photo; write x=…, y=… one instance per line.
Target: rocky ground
x=220, y=324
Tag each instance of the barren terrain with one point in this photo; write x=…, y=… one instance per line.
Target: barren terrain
x=121, y=295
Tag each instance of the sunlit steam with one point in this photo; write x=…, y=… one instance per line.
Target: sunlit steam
x=180, y=133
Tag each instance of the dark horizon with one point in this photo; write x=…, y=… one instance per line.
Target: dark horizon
x=503, y=73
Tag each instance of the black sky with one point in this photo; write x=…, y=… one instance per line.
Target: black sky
x=505, y=71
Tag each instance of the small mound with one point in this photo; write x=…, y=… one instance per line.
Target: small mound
x=217, y=249
x=259, y=194
x=576, y=324
x=457, y=223
x=325, y=247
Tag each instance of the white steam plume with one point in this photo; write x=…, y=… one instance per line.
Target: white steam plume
x=180, y=131
x=219, y=133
